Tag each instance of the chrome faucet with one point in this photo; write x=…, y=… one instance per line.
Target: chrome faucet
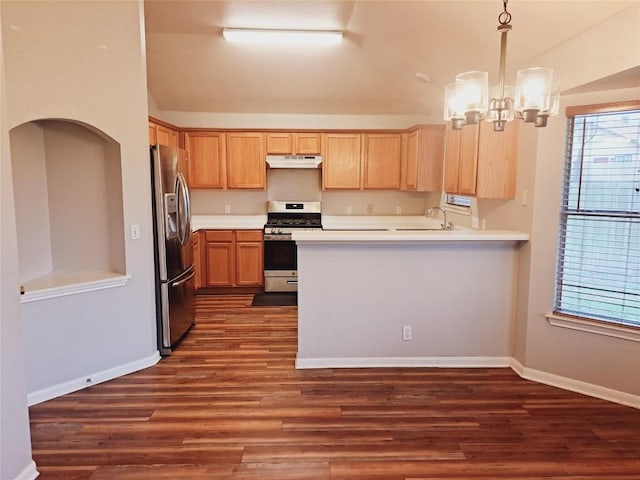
x=445, y=225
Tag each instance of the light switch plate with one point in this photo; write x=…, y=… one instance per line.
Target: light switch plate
x=135, y=232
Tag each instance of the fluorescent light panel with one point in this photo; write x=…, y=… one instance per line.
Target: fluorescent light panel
x=282, y=37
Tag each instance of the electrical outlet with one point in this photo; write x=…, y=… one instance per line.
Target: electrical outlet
x=398, y=209
x=369, y=207
x=227, y=208
x=407, y=334
x=135, y=232
x=349, y=209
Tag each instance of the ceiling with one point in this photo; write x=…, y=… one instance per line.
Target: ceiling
x=395, y=58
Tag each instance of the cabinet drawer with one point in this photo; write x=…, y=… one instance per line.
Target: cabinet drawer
x=219, y=236
x=249, y=235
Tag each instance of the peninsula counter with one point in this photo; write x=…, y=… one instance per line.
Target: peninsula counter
x=358, y=290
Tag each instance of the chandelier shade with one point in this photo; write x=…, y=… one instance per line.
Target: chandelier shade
x=534, y=99
x=472, y=88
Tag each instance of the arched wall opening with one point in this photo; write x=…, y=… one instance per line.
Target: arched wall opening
x=69, y=210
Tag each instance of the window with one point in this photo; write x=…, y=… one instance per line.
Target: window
x=598, y=267
x=458, y=201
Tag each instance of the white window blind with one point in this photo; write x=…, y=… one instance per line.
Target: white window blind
x=598, y=268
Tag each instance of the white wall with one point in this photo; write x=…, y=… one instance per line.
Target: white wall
x=86, y=62
x=85, y=199
x=15, y=448
x=292, y=121
x=355, y=297
x=31, y=201
x=606, y=49
x=605, y=361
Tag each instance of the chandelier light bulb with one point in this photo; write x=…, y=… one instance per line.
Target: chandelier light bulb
x=533, y=92
x=473, y=90
x=453, y=106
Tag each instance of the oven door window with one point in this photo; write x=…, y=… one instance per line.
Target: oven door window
x=280, y=255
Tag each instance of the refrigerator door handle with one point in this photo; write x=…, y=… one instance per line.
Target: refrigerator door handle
x=183, y=280
x=184, y=214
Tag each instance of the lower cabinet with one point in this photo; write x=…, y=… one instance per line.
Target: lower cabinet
x=231, y=258
x=197, y=263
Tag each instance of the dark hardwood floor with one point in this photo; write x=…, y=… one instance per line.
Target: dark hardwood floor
x=230, y=405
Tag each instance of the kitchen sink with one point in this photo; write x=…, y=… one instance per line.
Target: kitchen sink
x=420, y=230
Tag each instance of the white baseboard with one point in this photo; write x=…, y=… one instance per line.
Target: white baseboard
x=577, y=386
x=539, y=376
x=29, y=473
x=384, y=362
x=89, y=379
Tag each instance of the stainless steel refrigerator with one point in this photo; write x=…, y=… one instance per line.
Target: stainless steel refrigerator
x=175, y=283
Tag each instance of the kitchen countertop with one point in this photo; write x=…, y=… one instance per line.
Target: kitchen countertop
x=400, y=236
x=370, y=228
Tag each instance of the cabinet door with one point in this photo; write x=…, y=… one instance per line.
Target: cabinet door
x=452, y=160
x=197, y=265
x=307, y=144
x=382, y=161
x=279, y=143
x=173, y=138
x=411, y=162
x=163, y=136
x=497, y=152
x=249, y=258
x=206, y=159
x=468, y=160
x=341, y=163
x=220, y=259
x=152, y=133
x=246, y=165
x=430, y=158
x=424, y=162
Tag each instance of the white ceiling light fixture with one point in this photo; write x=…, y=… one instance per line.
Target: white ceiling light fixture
x=534, y=99
x=282, y=37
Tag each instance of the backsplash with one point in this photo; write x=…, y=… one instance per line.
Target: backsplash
x=306, y=185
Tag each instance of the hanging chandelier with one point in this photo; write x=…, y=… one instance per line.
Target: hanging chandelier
x=535, y=97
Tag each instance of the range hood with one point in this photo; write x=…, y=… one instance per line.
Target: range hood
x=294, y=161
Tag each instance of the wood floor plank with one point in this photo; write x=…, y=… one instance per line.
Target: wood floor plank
x=229, y=404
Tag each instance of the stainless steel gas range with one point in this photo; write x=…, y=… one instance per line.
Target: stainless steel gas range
x=280, y=252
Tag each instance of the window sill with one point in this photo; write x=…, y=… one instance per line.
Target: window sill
x=60, y=284
x=594, y=326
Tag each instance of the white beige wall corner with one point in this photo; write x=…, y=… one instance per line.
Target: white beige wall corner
x=87, y=64
x=596, y=364
x=15, y=440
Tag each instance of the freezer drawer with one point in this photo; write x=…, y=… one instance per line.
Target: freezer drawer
x=177, y=310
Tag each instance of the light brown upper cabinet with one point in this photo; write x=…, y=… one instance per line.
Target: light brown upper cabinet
x=307, y=143
x=161, y=135
x=166, y=136
x=207, y=159
x=382, y=159
x=497, y=161
x=282, y=143
x=461, y=160
x=423, y=158
x=152, y=133
x=480, y=162
x=341, y=166
x=246, y=165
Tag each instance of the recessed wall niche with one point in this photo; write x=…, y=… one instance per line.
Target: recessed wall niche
x=68, y=199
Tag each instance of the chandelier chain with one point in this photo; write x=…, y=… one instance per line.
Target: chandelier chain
x=505, y=17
